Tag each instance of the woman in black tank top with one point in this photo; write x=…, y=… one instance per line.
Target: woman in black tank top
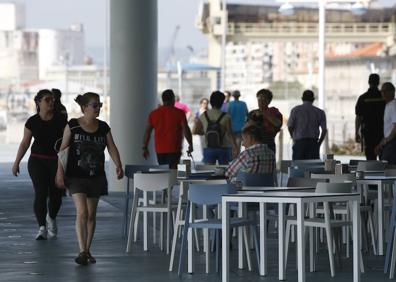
x=46, y=127
x=87, y=137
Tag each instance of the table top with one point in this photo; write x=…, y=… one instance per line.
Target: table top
x=291, y=194
x=274, y=189
x=377, y=177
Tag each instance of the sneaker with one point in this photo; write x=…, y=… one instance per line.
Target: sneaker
x=42, y=233
x=90, y=258
x=52, y=227
x=82, y=258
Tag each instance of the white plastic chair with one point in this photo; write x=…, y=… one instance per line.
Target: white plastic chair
x=327, y=222
x=151, y=182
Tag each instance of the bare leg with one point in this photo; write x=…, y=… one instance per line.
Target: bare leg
x=80, y=202
x=92, y=204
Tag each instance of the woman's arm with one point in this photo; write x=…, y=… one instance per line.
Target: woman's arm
x=114, y=154
x=23, y=147
x=60, y=173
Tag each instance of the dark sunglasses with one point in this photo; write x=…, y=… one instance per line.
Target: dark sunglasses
x=96, y=105
x=48, y=99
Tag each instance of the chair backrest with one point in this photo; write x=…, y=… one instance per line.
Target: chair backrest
x=390, y=172
x=150, y=182
x=371, y=166
x=335, y=178
x=303, y=182
x=297, y=171
x=131, y=169
x=323, y=187
x=209, y=194
x=256, y=179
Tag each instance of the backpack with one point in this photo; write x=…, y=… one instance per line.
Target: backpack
x=213, y=134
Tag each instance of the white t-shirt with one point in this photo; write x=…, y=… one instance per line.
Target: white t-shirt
x=389, y=117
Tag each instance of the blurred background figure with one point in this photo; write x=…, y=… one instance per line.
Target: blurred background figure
x=224, y=107
x=238, y=112
x=182, y=107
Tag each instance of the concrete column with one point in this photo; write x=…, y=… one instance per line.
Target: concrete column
x=133, y=77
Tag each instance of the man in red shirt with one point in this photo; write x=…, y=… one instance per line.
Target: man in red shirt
x=170, y=125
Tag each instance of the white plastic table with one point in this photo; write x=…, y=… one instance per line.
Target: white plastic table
x=281, y=198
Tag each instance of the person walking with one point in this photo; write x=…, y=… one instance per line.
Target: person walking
x=46, y=128
x=87, y=137
x=238, y=112
x=268, y=118
x=181, y=106
x=196, y=130
x=220, y=144
x=169, y=125
x=303, y=124
x=387, y=147
x=369, y=123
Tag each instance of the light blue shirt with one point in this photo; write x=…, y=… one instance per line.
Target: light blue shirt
x=238, y=112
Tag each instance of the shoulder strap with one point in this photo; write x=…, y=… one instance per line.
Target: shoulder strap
x=220, y=117
x=207, y=117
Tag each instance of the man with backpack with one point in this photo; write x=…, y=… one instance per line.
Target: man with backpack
x=218, y=132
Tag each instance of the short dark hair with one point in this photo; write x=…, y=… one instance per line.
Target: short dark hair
x=308, y=95
x=266, y=93
x=388, y=88
x=374, y=79
x=168, y=96
x=217, y=99
x=253, y=131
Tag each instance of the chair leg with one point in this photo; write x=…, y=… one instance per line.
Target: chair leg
x=177, y=227
x=135, y=233
x=372, y=232
x=217, y=249
x=253, y=230
x=390, y=236
x=393, y=259
x=168, y=231
x=247, y=249
x=329, y=238
x=161, y=231
x=184, y=241
x=287, y=239
x=131, y=224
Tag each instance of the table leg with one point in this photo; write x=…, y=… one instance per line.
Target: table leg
x=281, y=241
x=225, y=222
x=311, y=239
x=300, y=242
x=263, y=240
x=240, y=239
x=380, y=219
x=356, y=241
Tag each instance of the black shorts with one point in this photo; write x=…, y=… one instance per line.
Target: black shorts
x=171, y=159
x=92, y=187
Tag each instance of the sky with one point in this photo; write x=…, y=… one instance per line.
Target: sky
x=63, y=13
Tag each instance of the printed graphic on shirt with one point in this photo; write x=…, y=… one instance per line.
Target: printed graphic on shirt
x=89, y=152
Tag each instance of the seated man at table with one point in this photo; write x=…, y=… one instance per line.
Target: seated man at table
x=256, y=158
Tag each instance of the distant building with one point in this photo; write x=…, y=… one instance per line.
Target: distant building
x=262, y=42
x=28, y=54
